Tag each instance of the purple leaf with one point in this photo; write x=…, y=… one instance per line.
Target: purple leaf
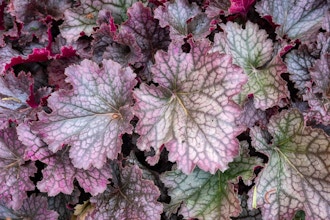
x=134, y=198
x=93, y=116
x=297, y=19
x=297, y=176
x=14, y=171
x=62, y=202
x=298, y=63
x=318, y=92
x=217, y=7
x=144, y=29
x=191, y=110
x=35, y=207
x=252, y=116
x=240, y=6
x=183, y=18
x=82, y=19
x=59, y=175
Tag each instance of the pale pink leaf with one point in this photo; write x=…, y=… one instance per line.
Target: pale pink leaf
x=91, y=117
x=191, y=110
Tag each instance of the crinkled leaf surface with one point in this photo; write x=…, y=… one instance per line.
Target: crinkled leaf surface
x=144, y=29
x=132, y=198
x=252, y=116
x=191, y=110
x=298, y=63
x=205, y=196
x=59, y=175
x=14, y=171
x=35, y=207
x=318, y=93
x=177, y=14
x=91, y=117
x=240, y=6
x=297, y=18
x=252, y=51
x=14, y=93
x=217, y=7
x=83, y=18
x=297, y=175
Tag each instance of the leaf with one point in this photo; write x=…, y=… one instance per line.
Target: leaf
x=82, y=19
x=250, y=47
x=133, y=198
x=252, y=51
x=217, y=7
x=14, y=171
x=240, y=6
x=62, y=204
x=144, y=29
x=298, y=63
x=191, y=110
x=35, y=207
x=297, y=174
x=81, y=211
x=297, y=19
x=92, y=117
x=250, y=214
x=6, y=55
x=205, y=196
x=59, y=175
x=318, y=93
x=183, y=18
x=252, y=116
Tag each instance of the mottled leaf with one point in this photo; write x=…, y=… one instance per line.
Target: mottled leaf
x=59, y=175
x=183, y=18
x=318, y=93
x=252, y=116
x=297, y=18
x=191, y=110
x=35, y=207
x=144, y=29
x=82, y=19
x=91, y=117
x=205, y=196
x=298, y=62
x=132, y=198
x=14, y=171
x=297, y=176
x=252, y=51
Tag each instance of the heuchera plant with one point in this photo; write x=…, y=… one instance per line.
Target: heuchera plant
x=183, y=109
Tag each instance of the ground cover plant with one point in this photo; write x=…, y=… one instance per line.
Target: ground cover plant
x=126, y=109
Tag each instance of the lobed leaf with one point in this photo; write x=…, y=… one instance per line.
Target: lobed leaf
x=92, y=117
x=297, y=174
x=252, y=51
x=133, y=198
x=14, y=171
x=205, y=196
x=35, y=207
x=183, y=18
x=191, y=110
x=297, y=19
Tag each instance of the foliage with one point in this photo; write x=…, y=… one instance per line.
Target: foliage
x=126, y=109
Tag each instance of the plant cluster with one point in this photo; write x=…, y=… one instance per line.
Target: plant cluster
x=184, y=109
